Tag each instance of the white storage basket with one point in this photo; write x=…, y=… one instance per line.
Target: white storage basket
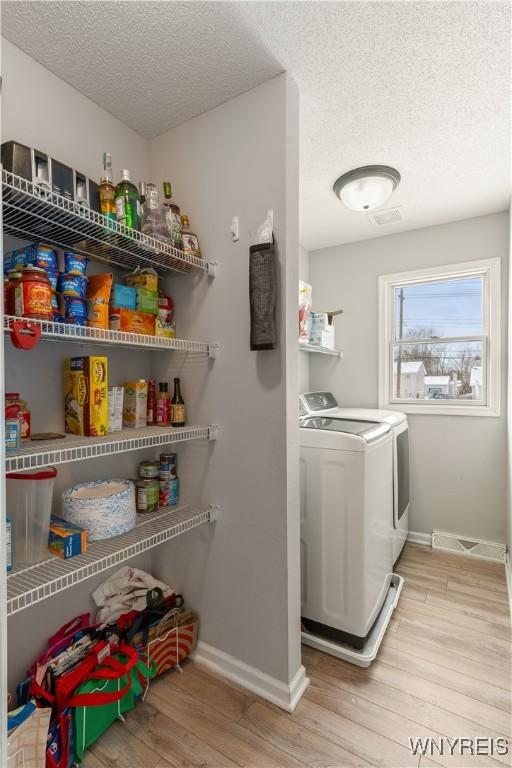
x=105, y=508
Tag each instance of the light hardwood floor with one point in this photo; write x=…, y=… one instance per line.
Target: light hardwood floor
x=443, y=670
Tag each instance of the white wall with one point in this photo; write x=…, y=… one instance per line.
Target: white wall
x=458, y=463
x=303, y=356
x=509, y=422
x=41, y=110
x=240, y=159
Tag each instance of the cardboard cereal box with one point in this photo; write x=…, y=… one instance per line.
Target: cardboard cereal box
x=86, y=395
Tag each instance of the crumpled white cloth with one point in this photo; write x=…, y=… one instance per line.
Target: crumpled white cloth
x=125, y=591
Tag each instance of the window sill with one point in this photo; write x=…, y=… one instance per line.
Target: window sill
x=441, y=410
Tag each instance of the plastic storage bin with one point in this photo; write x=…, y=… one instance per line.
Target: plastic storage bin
x=29, y=505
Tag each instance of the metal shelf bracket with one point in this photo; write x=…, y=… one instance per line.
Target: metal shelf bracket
x=213, y=266
x=212, y=350
x=213, y=431
x=214, y=511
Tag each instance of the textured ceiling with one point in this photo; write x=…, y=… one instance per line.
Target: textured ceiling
x=421, y=86
x=151, y=64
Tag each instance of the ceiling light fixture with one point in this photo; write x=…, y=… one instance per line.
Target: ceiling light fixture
x=366, y=188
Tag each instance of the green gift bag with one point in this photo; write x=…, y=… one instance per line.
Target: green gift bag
x=106, y=696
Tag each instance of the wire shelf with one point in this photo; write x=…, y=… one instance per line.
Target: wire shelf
x=74, y=448
x=320, y=350
x=33, y=212
x=79, y=334
x=31, y=584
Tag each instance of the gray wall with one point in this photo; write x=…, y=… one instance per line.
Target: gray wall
x=458, y=472
x=235, y=161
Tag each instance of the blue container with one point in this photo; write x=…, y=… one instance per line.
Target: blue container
x=42, y=256
x=76, y=310
x=123, y=296
x=12, y=434
x=53, y=278
x=75, y=263
x=174, y=491
x=15, y=261
x=72, y=285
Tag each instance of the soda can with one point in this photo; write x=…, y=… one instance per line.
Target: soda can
x=163, y=499
x=168, y=465
x=174, y=491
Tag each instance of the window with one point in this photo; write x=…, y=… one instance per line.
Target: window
x=439, y=339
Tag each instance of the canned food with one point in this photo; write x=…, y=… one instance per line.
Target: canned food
x=149, y=469
x=163, y=499
x=12, y=434
x=168, y=465
x=147, y=492
x=174, y=491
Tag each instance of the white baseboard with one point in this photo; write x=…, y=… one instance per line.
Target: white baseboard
x=285, y=696
x=420, y=538
x=508, y=571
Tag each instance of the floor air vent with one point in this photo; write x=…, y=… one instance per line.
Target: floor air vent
x=484, y=550
x=389, y=216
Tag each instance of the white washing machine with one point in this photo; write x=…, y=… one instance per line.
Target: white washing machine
x=346, y=535
x=325, y=404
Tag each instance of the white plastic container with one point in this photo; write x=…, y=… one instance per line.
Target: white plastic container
x=29, y=505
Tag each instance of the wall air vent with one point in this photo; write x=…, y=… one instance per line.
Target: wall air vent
x=388, y=216
x=485, y=550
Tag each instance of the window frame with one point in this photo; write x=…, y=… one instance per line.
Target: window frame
x=490, y=270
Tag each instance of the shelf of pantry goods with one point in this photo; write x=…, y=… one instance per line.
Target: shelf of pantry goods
x=63, y=450
x=31, y=584
x=82, y=334
x=321, y=350
x=31, y=212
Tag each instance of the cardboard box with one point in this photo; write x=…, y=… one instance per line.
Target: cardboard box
x=86, y=395
x=136, y=322
x=115, y=409
x=66, y=540
x=165, y=330
x=143, y=279
x=147, y=301
x=123, y=296
x=135, y=404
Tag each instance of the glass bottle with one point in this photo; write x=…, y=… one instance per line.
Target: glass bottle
x=127, y=201
x=190, y=239
x=142, y=192
x=107, y=190
x=173, y=217
x=163, y=406
x=154, y=215
x=177, y=406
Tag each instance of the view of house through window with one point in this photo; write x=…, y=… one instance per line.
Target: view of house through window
x=439, y=343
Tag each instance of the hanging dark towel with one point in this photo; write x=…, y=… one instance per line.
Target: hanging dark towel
x=262, y=292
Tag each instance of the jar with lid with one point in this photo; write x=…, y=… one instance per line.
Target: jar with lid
x=17, y=408
x=147, y=495
x=13, y=280
x=33, y=294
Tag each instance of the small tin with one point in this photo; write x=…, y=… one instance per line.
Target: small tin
x=12, y=434
x=147, y=495
x=168, y=465
x=163, y=499
x=174, y=491
x=149, y=470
